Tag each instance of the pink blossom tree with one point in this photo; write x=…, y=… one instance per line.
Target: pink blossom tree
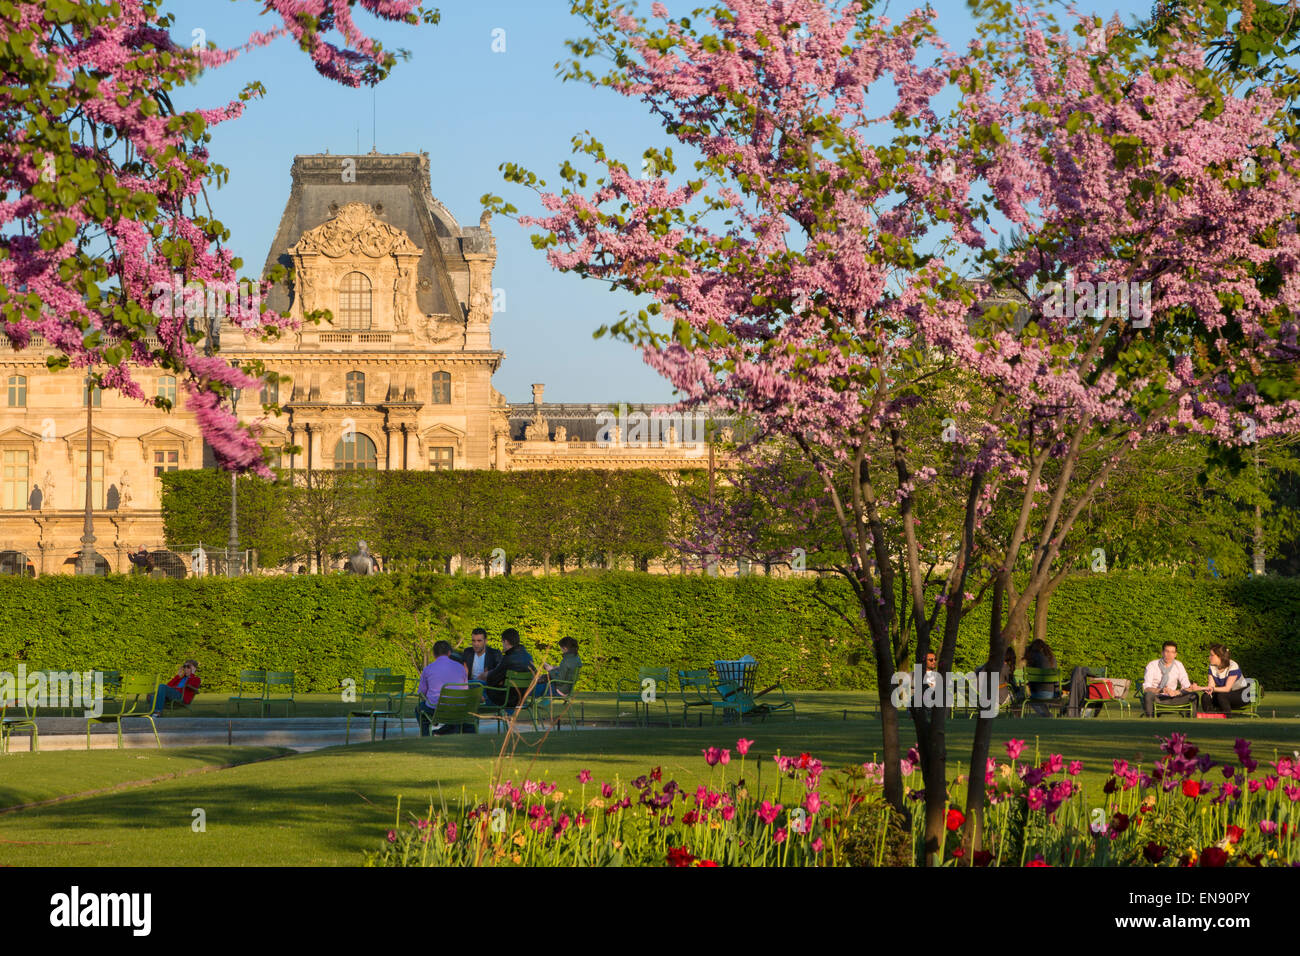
x=814, y=277
x=105, y=195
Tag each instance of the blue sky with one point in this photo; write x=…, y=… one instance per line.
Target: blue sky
x=471, y=109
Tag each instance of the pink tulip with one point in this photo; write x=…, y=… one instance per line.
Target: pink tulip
x=813, y=803
x=743, y=745
x=725, y=758
x=584, y=776
x=1014, y=747
x=768, y=811
x=711, y=756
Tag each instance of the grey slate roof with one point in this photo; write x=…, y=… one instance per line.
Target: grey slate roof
x=397, y=185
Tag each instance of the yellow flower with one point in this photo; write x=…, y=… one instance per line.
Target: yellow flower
x=557, y=796
x=715, y=824
x=618, y=844
x=596, y=802
x=1005, y=770
x=520, y=839
x=1150, y=801
x=1272, y=854
x=516, y=858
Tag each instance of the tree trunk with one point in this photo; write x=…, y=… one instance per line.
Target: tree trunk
x=999, y=638
x=932, y=745
x=1020, y=634
x=1042, y=603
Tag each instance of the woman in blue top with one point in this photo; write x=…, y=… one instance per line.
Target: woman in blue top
x=1226, y=690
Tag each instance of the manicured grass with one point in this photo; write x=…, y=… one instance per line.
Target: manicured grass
x=330, y=806
x=33, y=777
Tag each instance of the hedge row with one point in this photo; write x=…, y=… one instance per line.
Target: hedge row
x=329, y=628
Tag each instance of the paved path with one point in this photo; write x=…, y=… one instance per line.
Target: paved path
x=297, y=733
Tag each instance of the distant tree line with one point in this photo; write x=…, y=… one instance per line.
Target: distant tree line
x=558, y=520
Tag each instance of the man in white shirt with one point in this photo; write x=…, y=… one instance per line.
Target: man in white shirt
x=1166, y=681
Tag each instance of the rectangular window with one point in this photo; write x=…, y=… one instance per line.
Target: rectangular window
x=14, y=488
x=99, y=396
x=96, y=480
x=165, y=461
x=17, y=391
x=440, y=459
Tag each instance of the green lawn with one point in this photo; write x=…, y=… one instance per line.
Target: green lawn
x=329, y=806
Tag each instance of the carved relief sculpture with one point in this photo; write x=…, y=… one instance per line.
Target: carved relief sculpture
x=124, y=498
x=47, y=493
x=355, y=230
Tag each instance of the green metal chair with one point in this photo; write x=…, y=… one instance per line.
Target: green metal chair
x=112, y=683
x=696, y=690
x=1044, y=675
x=517, y=684
x=142, y=693
x=252, y=689
x=635, y=693
x=548, y=702
x=368, y=676
x=456, y=706
x=386, y=701
x=514, y=689
x=1097, y=677
x=279, y=689
x=9, y=724
x=1187, y=708
x=1252, y=706
x=766, y=708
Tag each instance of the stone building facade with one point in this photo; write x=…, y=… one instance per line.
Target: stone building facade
x=401, y=377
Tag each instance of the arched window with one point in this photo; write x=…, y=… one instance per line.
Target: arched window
x=17, y=391
x=167, y=388
x=441, y=388
x=354, y=302
x=355, y=452
x=356, y=388
x=271, y=389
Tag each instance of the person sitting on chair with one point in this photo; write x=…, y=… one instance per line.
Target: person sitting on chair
x=1165, y=680
x=1226, y=690
x=1039, y=655
x=1009, y=692
x=442, y=671
x=514, y=658
x=182, y=687
x=557, y=680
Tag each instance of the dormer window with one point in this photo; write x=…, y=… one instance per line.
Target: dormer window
x=354, y=302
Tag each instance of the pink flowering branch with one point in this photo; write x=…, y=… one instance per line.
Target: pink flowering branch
x=102, y=180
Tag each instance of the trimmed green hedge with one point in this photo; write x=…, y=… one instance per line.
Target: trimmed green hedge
x=329, y=628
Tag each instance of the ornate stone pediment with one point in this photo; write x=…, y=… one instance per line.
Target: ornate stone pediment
x=355, y=230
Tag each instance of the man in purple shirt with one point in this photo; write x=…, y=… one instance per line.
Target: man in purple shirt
x=441, y=672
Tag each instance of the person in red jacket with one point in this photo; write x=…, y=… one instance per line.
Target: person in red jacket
x=182, y=687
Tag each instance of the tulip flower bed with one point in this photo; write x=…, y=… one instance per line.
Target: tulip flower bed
x=1186, y=810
